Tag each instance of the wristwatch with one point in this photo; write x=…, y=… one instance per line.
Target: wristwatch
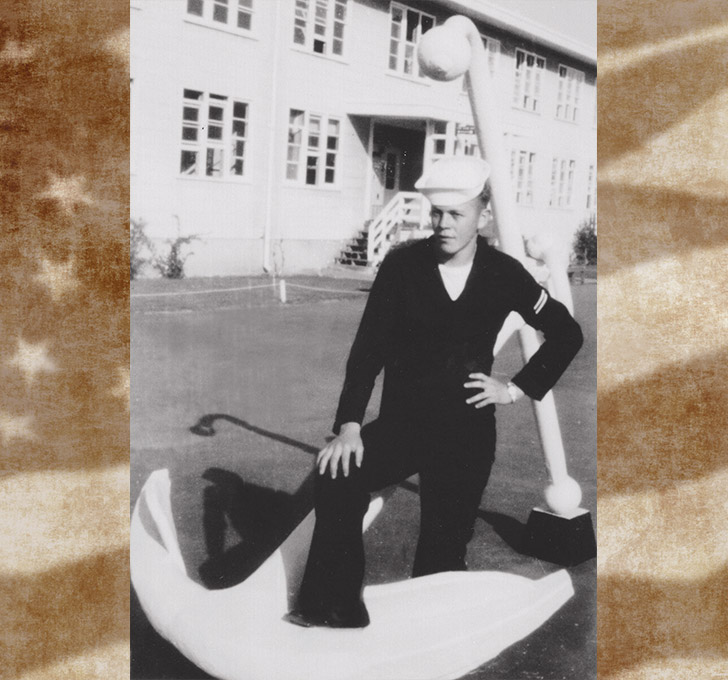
x=512, y=392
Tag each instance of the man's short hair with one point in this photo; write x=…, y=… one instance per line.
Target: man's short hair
x=485, y=195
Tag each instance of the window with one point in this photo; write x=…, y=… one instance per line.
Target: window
x=567, y=104
x=407, y=26
x=522, y=163
x=439, y=136
x=562, y=182
x=466, y=145
x=319, y=25
x=236, y=14
x=492, y=48
x=527, y=85
x=591, y=195
x=214, y=135
x=313, y=147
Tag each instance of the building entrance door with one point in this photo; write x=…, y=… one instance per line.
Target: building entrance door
x=387, y=168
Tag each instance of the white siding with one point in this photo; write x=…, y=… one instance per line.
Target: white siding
x=170, y=52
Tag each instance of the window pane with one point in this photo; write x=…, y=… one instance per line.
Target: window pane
x=311, y=164
x=214, y=132
x=331, y=143
x=338, y=30
x=295, y=137
x=214, y=163
x=413, y=20
x=239, y=148
x=240, y=110
x=329, y=176
x=194, y=7
x=291, y=172
x=220, y=13
x=244, y=20
x=409, y=51
x=338, y=47
x=440, y=127
x=319, y=46
x=237, y=168
x=189, y=134
x=246, y=3
x=439, y=146
x=393, y=62
x=334, y=128
x=330, y=159
x=340, y=11
x=188, y=163
x=215, y=113
x=192, y=94
x=301, y=13
x=239, y=128
x=426, y=24
x=299, y=37
x=190, y=113
x=397, y=14
x=313, y=141
x=314, y=124
x=293, y=153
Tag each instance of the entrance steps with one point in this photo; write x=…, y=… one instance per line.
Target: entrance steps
x=354, y=252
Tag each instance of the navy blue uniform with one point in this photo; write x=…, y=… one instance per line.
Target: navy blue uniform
x=427, y=344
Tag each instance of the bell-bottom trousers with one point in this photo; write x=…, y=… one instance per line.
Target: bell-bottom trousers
x=453, y=459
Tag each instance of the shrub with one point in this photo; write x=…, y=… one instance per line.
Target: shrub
x=585, y=241
x=171, y=266
x=138, y=243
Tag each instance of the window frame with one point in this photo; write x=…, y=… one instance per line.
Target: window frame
x=524, y=187
x=234, y=9
x=226, y=145
x=308, y=23
x=527, y=84
x=402, y=42
x=563, y=173
x=591, y=189
x=569, y=93
x=321, y=151
x=492, y=56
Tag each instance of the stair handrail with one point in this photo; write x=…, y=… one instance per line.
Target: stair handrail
x=405, y=206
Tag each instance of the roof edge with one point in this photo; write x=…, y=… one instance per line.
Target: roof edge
x=514, y=23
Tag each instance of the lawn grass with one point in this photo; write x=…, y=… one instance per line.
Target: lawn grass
x=265, y=377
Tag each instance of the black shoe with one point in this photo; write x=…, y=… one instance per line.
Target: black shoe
x=336, y=618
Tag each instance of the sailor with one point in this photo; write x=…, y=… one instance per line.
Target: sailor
x=431, y=322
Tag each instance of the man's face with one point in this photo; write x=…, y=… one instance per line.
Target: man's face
x=456, y=226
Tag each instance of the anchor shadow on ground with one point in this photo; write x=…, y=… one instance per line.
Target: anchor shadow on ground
x=261, y=518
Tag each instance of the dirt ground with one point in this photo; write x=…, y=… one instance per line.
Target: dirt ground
x=234, y=392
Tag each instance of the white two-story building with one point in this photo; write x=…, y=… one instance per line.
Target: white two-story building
x=278, y=130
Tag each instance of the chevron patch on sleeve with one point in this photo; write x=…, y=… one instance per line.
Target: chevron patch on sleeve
x=541, y=301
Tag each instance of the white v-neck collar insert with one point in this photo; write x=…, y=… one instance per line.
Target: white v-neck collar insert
x=454, y=278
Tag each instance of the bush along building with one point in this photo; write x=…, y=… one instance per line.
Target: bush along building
x=288, y=134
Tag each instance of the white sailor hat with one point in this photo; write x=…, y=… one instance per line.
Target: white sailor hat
x=453, y=180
